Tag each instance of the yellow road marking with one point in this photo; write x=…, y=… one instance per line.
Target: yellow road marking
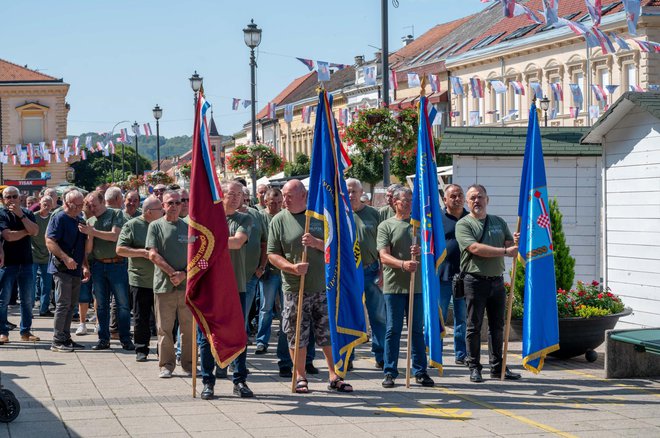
x=507, y=413
x=610, y=382
x=432, y=411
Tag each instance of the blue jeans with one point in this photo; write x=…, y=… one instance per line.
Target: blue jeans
x=24, y=275
x=252, y=287
x=112, y=278
x=271, y=287
x=44, y=282
x=460, y=324
x=375, y=304
x=207, y=362
x=397, y=306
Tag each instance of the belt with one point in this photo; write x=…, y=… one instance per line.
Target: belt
x=484, y=277
x=112, y=260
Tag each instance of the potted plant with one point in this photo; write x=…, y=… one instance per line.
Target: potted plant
x=158, y=177
x=243, y=158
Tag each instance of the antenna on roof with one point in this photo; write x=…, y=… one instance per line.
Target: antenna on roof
x=412, y=29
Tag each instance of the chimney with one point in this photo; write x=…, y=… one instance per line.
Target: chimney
x=407, y=40
x=378, y=55
x=359, y=60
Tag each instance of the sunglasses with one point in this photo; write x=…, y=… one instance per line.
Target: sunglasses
x=185, y=199
x=11, y=197
x=171, y=203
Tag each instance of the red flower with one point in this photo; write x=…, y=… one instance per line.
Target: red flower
x=600, y=295
x=581, y=293
x=610, y=294
x=595, y=283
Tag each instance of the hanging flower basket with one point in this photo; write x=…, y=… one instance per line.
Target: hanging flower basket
x=243, y=158
x=159, y=177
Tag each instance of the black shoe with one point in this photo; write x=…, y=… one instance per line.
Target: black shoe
x=101, y=345
x=74, y=345
x=61, y=348
x=128, y=346
x=460, y=362
x=47, y=313
x=207, y=392
x=140, y=356
x=475, y=376
x=241, y=389
x=75, y=318
x=221, y=373
x=424, y=380
x=285, y=372
x=311, y=369
x=388, y=381
x=508, y=374
x=261, y=349
x=350, y=366
x=380, y=365
x=10, y=326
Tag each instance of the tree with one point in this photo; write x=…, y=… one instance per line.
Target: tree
x=299, y=165
x=97, y=169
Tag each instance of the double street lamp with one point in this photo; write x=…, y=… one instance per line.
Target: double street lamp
x=158, y=113
x=252, y=36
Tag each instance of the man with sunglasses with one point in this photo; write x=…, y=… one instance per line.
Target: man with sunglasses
x=159, y=189
x=185, y=204
x=17, y=225
x=68, y=265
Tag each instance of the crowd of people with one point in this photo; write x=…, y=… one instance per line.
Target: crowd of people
x=127, y=259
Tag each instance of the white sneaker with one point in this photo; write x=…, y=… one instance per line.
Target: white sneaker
x=165, y=373
x=81, y=330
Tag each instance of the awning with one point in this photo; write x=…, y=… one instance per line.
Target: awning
x=409, y=102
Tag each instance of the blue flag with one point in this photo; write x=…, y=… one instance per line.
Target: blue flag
x=540, y=322
x=328, y=202
x=427, y=216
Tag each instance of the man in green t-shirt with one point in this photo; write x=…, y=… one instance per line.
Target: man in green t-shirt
x=286, y=241
x=387, y=211
x=167, y=242
x=366, y=222
x=396, y=245
x=109, y=271
x=483, y=264
x=40, y=256
x=262, y=189
x=132, y=205
x=132, y=245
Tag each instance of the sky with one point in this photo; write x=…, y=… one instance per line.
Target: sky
x=122, y=57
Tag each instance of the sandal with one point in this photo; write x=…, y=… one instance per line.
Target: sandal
x=301, y=386
x=340, y=386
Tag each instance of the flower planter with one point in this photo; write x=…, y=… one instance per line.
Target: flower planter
x=579, y=335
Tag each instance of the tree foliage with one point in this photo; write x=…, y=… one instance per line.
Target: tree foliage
x=299, y=166
x=97, y=169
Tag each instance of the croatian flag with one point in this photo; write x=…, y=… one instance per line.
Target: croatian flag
x=551, y=11
x=53, y=146
x=123, y=137
x=30, y=153
x=288, y=113
x=498, y=86
x=434, y=80
x=42, y=148
x=147, y=130
x=88, y=142
x=474, y=118
x=369, y=75
x=338, y=66
x=509, y=7
x=247, y=103
x=518, y=87
x=623, y=45
x=524, y=10
x=574, y=110
x=456, y=85
x=234, y=103
x=644, y=46
x=538, y=91
x=394, y=85
x=599, y=93
x=577, y=28
x=99, y=146
x=111, y=146
x=136, y=129
x=603, y=41
x=633, y=10
x=636, y=88
x=322, y=71
x=76, y=149
x=476, y=87
x=271, y=110
x=611, y=88
x=83, y=155
x=308, y=63
x=577, y=93
x=594, y=111
x=557, y=92
x=413, y=80
x=595, y=8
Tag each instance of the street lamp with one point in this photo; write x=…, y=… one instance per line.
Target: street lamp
x=158, y=113
x=545, y=104
x=252, y=36
x=136, y=127
x=196, y=85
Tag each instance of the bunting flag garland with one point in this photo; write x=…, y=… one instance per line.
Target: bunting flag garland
x=271, y=110
x=338, y=66
x=123, y=137
x=456, y=85
x=603, y=41
x=574, y=110
x=577, y=93
x=610, y=88
x=557, y=91
x=307, y=114
x=147, y=130
x=394, y=85
x=136, y=129
x=477, y=88
x=654, y=87
x=57, y=157
x=594, y=111
x=369, y=75
x=509, y=7
x=553, y=113
x=13, y=160
x=623, y=45
x=30, y=153
x=322, y=71
x=599, y=93
x=511, y=114
x=99, y=146
x=551, y=11
x=595, y=10
x=308, y=63
x=498, y=86
x=524, y=10
x=88, y=142
x=576, y=27
x=288, y=113
x=413, y=80
x=474, y=118
x=53, y=146
x=434, y=81
x=76, y=149
x=111, y=146
x=247, y=103
x=234, y=103
x=538, y=91
x=644, y=46
x=518, y=87
x=636, y=88
x=633, y=10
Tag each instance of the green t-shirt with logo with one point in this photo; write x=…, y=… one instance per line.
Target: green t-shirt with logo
x=258, y=235
x=170, y=239
x=396, y=234
x=468, y=231
x=106, y=249
x=40, y=254
x=140, y=270
x=366, y=222
x=239, y=223
x=285, y=238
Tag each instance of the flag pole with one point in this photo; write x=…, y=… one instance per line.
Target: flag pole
x=299, y=314
x=194, y=358
x=411, y=301
x=509, y=308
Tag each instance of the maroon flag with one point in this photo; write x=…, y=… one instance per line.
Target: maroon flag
x=211, y=291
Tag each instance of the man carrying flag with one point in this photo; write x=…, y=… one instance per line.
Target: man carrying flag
x=426, y=216
x=540, y=323
x=211, y=292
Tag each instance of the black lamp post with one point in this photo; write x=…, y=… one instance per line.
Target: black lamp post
x=196, y=85
x=545, y=104
x=252, y=35
x=158, y=113
x=135, y=131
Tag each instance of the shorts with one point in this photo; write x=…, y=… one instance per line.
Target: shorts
x=314, y=316
x=86, y=292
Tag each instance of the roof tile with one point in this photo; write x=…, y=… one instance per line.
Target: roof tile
x=10, y=72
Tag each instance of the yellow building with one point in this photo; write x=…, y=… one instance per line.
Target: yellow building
x=33, y=109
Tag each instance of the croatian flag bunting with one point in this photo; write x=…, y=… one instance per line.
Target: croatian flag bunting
x=308, y=63
x=76, y=148
x=577, y=93
x=413, y=80
x=42, y=148
x=574, y=110
x=577, y=28
x=434, y=80
x=551, y=11
x=53, y=146
x=394, y=85
x=30, y=153
x=136, y=129
x=553, y=113
x=369, y=75
x=524, y=10
x=594, y=111
x=271, y=110
x=644, y=46
x=623, y=45
x=611, y=88
x=99, y=146
x=603, y=40
x=498, y=86
x=509, y=7
x=557, y=91
x=288, y=113
x=234, y=103
x=474, y=118
x=477, y=88
x=595, y=10
x=518, y=87
x=247, y=103
x=633, y=10
x=88, y=142
x=456, y=85
x=83, y=155
x=322, y=71
x=636, y=88
x=123, y=136
x=538, y=91
x=147, y=130
x=599, y=93
x=111, y=146
x=338, y=66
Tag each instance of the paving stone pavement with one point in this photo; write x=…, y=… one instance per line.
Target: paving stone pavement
x=107, y=393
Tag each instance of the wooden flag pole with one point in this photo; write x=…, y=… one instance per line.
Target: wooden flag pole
x=411, y=302
x=509, y=307
x=301, y=290
x=194, y=358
